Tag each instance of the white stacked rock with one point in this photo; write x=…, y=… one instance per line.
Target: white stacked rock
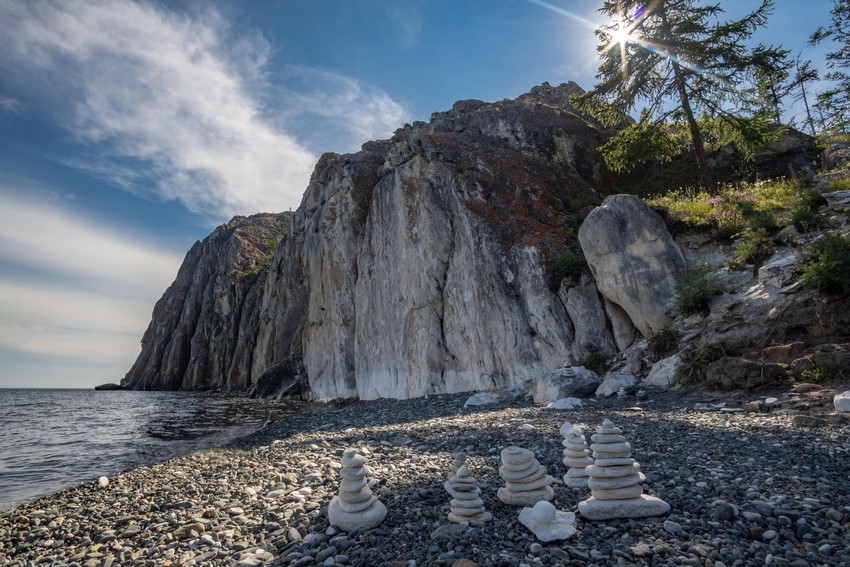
x=355, y=506
x=466, y=503
x=526, y=481
x=458, y=461
x=576, y=456
x=615, y=480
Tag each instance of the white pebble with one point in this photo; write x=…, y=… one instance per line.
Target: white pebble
x=103, y=482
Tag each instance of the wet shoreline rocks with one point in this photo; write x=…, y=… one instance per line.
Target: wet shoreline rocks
x=745, y=488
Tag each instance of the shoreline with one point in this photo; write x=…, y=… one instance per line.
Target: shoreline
x=743, y=486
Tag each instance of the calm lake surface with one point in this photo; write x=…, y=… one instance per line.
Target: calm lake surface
x=56, y=439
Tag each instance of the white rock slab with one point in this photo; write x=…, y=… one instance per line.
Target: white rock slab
x=643, y=507
x=842, y=401
x=565, y=404
x=482, y=399
x=779, y=270
x=613, y=382
x=547, y=523
x=662, y=372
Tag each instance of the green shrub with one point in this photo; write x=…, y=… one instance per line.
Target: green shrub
x=838, y=185
x=567, y=266
x=804, y=218
x=696, y=289
x=763, y=220
x=664, y=342
x=596, y=361
x=693, y=366
x=756, y=247
x=826, y=264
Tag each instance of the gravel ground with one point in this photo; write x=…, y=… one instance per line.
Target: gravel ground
x=746, y=488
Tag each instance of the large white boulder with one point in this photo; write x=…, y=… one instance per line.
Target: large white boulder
x=557, y=384
x=633, y=258
x=613, y=381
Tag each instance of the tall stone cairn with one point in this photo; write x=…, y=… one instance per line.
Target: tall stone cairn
x=355, y=506
x=615, y=480
x=576, y=456
x=526, y=481
x=466, y=503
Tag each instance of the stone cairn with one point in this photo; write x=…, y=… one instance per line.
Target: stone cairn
x=466, y=503
x=458, y=461
x=526, y=481
x=576, y=456
x=615, y=480
x=355, y=506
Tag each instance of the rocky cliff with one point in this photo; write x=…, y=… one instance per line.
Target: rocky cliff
x=203, y=330
x=420, y=264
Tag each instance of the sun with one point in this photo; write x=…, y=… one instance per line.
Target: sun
x=620, y=36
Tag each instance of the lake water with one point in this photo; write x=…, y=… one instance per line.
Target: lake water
x=56, y=439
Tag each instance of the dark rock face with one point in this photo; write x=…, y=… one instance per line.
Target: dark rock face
x=202, y=334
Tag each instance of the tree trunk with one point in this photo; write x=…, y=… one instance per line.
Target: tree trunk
x=696, y=135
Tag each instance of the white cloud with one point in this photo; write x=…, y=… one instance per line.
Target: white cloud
x=93, y=291
x=10, y=105
x=164, y=90
x=351, y=113
x=406, y=21
x=52, y=240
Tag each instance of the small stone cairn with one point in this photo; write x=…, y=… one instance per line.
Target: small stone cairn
x=466, y=503
x=568, y=372
x=526, y=481
x=576, y=455
x=355, y=506
x=458, y=461
x=615, y=480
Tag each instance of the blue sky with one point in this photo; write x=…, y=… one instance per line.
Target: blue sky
x=128, y=130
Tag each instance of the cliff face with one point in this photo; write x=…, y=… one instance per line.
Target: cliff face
x=203, y=330
x=418, y=265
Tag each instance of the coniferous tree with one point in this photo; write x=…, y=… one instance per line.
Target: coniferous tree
x=834, y=104
x=678, y=60
x=804, y=73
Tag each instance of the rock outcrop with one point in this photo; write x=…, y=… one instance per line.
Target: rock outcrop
x=203, y=331
x=419, y=265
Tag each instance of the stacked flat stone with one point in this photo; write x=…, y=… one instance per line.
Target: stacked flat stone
x=526, y=481
x=576, y=456
x=466, y=503
x=458, y=461
x=355, y=506
x=568, y=372
x=615, y=480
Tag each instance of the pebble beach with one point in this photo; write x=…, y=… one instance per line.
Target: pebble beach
x=745, y=488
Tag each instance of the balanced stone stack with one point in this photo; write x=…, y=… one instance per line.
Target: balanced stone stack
x=458, y=461
x=615, y=480
x=355, y=506
x=576, y=456
x=526, y=481
x=466, y=503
